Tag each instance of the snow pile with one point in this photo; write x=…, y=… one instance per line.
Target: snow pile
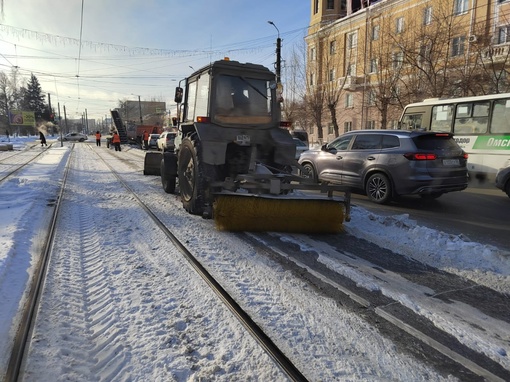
x=484, y=264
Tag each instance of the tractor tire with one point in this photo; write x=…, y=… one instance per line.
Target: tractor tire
x=168, y=170
x=192, y=182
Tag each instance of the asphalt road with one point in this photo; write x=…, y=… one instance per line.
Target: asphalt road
x=481, y=213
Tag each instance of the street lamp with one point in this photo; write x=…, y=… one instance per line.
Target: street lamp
x=278, y=53
x=139, y=108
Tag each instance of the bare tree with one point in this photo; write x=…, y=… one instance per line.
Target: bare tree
x=431, y=49
x=333, y=62
x=491, y=73
x=384, y=67
x=316, y=87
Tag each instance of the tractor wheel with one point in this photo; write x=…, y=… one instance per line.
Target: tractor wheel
x=168, y=178
x=191, y=177
x=507, y=188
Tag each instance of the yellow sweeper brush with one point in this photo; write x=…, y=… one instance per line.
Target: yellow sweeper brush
x=255, y=213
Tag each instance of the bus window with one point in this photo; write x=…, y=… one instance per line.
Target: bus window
x=411, y=121
x=500, y=122
x=471, y=118
x=442, y=118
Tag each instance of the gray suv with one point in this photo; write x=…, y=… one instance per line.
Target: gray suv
x=387, y=163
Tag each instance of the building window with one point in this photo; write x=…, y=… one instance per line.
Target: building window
x=427, y=16
x=373, y=65
x=370, y=125
x=460, y=6
x=351, y=70
x=352, y=40
x=375, y=32
x=398, y=59
x=312, y=82
x=349, y=101
x=347, y=126
x=331, y=131
x=331, y=4
x=425, y=53
x=332, y=47
x=458, y=46
x=313, y=54
x=315, y=7
x=331, y=74
x=504, y=34
x=399, y=25
x=371, y=98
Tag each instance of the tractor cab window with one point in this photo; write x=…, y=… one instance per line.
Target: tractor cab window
x=242, y=100
x=198, y=92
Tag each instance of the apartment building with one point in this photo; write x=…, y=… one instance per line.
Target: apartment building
x=367, y=60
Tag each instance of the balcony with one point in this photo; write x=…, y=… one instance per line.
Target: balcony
x=496, y=54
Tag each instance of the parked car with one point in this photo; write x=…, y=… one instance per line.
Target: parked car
x=300, y=147
x=166, y=141
x=387, y=163
x=75, y=137
x=503, y=180
x=153, y=141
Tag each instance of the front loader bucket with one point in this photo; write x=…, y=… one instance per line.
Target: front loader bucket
x=254, y=213
x=152, y=163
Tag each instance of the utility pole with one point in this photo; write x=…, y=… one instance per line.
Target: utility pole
x=278, y=64
x=59, y=125
x=140, y=108
x=87, y=122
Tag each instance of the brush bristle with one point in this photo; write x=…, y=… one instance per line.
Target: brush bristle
x=255, y=214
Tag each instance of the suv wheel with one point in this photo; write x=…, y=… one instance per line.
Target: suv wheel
x=378, y=188
x=309, y=172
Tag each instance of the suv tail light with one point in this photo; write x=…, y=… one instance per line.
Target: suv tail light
x=420, y=156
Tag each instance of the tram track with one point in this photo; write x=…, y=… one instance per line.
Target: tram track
x=455, y=356
x=29, y=316
x=14, y=168
x=21, y=340
x=371, y=306
x=376, y=303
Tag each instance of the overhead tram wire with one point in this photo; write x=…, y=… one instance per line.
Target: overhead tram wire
x=79, y=55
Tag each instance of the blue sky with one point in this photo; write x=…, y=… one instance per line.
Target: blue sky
x=134, y=48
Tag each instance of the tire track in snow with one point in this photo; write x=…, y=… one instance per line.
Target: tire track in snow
x=84, y=327
x=101, y=314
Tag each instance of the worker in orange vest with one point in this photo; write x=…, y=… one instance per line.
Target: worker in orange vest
x=116, y=141
x=146, y=139
x=98, y=138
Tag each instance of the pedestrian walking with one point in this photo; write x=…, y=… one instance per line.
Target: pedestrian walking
x=116, y=141
x=146, y=139
x=43, y=139
x=98, y=138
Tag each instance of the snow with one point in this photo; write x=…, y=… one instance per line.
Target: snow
x=120, y=303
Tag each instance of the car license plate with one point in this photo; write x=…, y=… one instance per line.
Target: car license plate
x=243, y=140
x=451, y=162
